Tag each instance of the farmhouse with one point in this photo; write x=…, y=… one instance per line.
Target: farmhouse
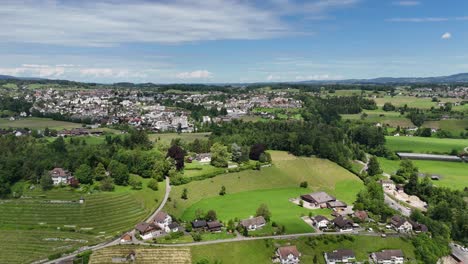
x=318, y=199
x=417, y=227
x=253, y=223
x=162, y=220
x=361, y=215
x=388, y=257
x=337, y=205
x=203, y=157
x=288, y=255
x=340, y=256
x=126, y=238
x=320, y=221
x=60, y=176
x=421, y=156
x=199, y=224
x=148, y=230
x=401, y=224
x=174, y=227
x=342, y=224
x=214, y=226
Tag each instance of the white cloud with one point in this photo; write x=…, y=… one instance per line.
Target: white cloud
x=447, y=35
x=419, y=19
x=407, y=3
x=199, y=74
x=32, y=70
x=273, y=77
x=317, y=77
x=110, y=23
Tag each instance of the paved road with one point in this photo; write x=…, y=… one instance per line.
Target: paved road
x=116, y=241
x=459, y=253
x=396, y=206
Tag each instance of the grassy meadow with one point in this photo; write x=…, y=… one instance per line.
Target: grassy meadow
x=454, y=175
x=261, y=251
x=274, y=185
x=425, y=145
x=37, y=123
x=40, y=220
x=165, y=138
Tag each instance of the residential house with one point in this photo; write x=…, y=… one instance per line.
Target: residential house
x=401, y=224
x=417, y=227
x=343, y=224
x=199, y=224
x=148, y=230
x=337, y=205
x=387, y=184
x=60, y=176
x=361, y=215
x=394, y=256
x=320, y=221
x=253, y=223
x=318, y=199
x=162, y=219
x=174, y=227
x=340, y=256
x=288, y=255
x=126, y=238
x=214, y=226
x=203, y=157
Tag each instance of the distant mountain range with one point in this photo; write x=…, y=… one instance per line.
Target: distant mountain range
x=456, y=78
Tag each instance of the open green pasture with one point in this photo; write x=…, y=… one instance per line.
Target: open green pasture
x=454, y=175
x=37, y=123
x=425, y=145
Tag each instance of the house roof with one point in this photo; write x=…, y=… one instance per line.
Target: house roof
x=320, y=218
x=127, y=237
x=337, y=204
x=144, y=227
x=388, y=254
x=319, y=197
x=259, y=220
x=340, y=221
x=59, y=172
x=398, y=221
x=340, y=254
x=362, y=215
x=198, y=223
x=284, y=252
x=214, y=224
x=173, y=225
x=160, y=216
x=418, y=227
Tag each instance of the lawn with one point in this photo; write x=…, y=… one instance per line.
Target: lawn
x=273, y=185
x=455, y=126
x=454, y=175
x=425, y=145
x=40, y=215
x=37, y=123
x=198, y=169
x=165, y=138
x=393, y=119
x=261, y=251
x=412, y=101
x=243, y=205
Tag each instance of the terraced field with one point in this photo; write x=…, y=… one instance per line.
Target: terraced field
x=143, y=255
x=58, y=214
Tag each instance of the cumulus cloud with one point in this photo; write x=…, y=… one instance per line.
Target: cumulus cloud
x=199, y=74
x=407, y=3
x=447, y=35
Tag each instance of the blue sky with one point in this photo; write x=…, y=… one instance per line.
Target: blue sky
x=185, y=41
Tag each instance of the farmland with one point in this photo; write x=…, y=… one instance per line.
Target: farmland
x=453, y=174
x=425, y=145
x=37, y=123
x=273, y=185
x=56, y=215
x=143, y=255
x=261, y=251
x=165, y=138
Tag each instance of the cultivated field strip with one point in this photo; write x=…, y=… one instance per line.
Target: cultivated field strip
x=143, y=255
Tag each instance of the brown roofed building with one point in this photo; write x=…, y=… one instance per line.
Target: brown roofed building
x=214, y=226
x=340, y=256
x=253, y=223
x=394, y=256
x=288, y=255
x=318, y=199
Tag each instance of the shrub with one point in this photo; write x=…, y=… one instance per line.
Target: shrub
x=153, y=185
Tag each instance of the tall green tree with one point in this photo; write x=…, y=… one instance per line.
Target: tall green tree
x=219, y=155
x=99, y=172
x=84, y=174
x=373, y=167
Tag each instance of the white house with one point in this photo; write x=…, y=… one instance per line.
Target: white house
x=401, y=224
x=253, y=223
x=288, y=255
x=320, y=221
x=204, y=157
x=388, y=257
x=148, y=230
x=163, y=220
x=60, y=176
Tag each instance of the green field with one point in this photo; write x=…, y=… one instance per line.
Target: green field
x=425, y=145
x=198, y=169
x=412, y=101
x=454, y=126
x=43, y=216
x=165, y=138
x=454, y=175
x=37, y=123
x=273, y=185
x=392, y=119
x=261, y=251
